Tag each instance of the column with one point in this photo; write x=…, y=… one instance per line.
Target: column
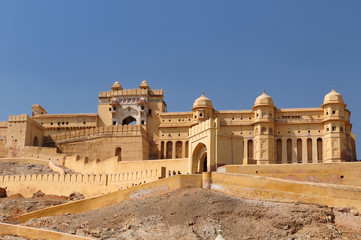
x=173, y=149
x=165, y=150
x=183, y=149
x=245, y=152
x=284, y=150
x=314, y=150
x=304, y=150
x=294, y=150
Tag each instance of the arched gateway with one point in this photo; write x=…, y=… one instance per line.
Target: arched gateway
x=199, y=159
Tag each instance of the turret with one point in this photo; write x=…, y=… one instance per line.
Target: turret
x=335, y=149
x=116, y=86
x=264, y=129
x=144, y=85
x=202, y=109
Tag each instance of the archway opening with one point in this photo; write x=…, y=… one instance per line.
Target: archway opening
x=289, y=150
x=203, y=163
x=250, y=152
x=118, y=152
x=309, y=150
x=199, y=159
x=319, y=150
x=129, y=121
x=36, y=142
x=279, y=151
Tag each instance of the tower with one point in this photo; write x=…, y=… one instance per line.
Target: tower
x=264, y=129
x=335, y=149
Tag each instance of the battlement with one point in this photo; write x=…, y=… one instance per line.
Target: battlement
x=18, y=118
x=3, y=124
x=131, y=92
x=117, y=130
x=24, y=118
x=88, y=184
x=202, y=126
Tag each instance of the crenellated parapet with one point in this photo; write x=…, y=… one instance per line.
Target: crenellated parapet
x=86, y=134
x=201, y=127
x=131, y=92
x=24, y=118
x=3, y=124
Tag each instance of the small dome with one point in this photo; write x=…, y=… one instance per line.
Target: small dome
x=116, y=86
x=144, y=85
x=333, y=97
x=264, y=99
x=202, y=101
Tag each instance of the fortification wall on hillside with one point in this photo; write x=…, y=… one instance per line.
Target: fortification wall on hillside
x=88, y=185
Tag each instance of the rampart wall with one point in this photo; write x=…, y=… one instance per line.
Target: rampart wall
x=347, y=173
x=282, y=190
x=88, y=185
x=145, y=190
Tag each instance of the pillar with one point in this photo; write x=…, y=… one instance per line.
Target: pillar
x=173, y=149
x=294, y=150
x=165, y=150
x=304, y=150
x=245, y=152
x=314, y=150
x=284, y=150
x=183, y=149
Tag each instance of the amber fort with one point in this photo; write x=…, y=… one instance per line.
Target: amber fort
x=132, y=146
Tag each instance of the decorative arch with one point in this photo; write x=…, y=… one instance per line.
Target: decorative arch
x=279, y=151
x=319, y=150
x=129, y=121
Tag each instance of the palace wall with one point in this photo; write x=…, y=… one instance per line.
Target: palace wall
x=128, y=141
x=114, y=165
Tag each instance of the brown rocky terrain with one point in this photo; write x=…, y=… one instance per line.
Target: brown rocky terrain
x=195, y=213
x=12, y=168
x=16, y=205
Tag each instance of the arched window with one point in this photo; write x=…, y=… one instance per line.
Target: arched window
x=263, y=131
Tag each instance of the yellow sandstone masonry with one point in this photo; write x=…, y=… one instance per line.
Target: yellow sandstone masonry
x=35, y=233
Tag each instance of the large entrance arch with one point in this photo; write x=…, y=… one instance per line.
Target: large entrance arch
x=199, y=159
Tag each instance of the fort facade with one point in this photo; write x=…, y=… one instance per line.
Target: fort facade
x=134, y=125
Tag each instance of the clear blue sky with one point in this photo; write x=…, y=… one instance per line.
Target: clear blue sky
x=60, y=54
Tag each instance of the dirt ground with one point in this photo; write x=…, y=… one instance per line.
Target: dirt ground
x=196, y=213
x=12, y=168
x=16, y=205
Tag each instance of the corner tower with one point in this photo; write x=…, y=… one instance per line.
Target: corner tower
x=335, y=118
x=264, y=129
